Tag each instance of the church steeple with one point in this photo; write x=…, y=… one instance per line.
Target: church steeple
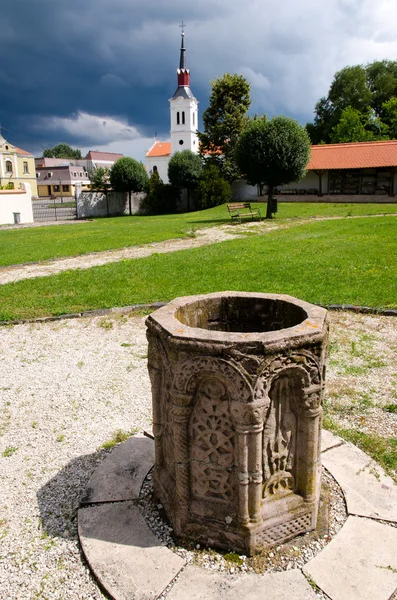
x=183, y=72
x=184, y=108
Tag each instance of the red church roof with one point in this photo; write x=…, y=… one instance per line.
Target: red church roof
x=159, y=149
x=354, y=155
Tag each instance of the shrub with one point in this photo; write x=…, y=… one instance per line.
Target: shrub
x=212, y=189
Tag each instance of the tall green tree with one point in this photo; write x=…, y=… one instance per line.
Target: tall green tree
x=184, y=170
x=365, y=89
x=273, y=153
x=355, y=126
x=224, y=120
x=382, y=81
x=128, y=175
x=389, y=116
x=62, y=150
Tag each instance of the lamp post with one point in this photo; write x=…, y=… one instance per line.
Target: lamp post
x=60, y=189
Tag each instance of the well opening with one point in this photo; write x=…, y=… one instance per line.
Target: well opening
x=241, y=314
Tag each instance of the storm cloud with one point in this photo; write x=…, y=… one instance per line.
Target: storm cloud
x=98, y=74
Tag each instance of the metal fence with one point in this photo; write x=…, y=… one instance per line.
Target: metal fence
x=53, y=209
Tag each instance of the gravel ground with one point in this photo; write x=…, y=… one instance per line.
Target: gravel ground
x=67, y=387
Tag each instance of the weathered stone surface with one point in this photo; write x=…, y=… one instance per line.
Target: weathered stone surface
x=196, y=584
x=121, y=475
x=237, y=382
x=124, y=554
x=368, y=491
x=329, y=440
x=360, y=563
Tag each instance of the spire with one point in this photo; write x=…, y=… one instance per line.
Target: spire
x=182, y=59
x=183, y=72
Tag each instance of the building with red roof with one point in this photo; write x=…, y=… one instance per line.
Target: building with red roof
x=355, y=171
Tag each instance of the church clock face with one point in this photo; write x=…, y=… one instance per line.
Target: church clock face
x=181, y=142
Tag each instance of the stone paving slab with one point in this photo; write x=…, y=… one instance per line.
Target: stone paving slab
x=360, y=563
x=368, y=491
x=125, y=556
x=329, y=440
x=121, y=475
x=195, y=583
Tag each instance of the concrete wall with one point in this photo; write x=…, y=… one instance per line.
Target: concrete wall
x=96, y=204
x=16, y=201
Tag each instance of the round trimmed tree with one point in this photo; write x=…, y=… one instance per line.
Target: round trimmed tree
x=128, y=175
x=273, y=153
x=184, y=170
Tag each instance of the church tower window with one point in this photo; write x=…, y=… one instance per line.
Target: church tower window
x=183, y=117
x=177, y=118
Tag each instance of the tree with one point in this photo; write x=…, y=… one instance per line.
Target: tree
x=62, y=151
x=128, y=175
x=99, y=178
x=366, y=90
x=161, y=198
x=382, y=81
x=212, y=189
x=224, y=120
x=351, y=127
x=184, y=170
x=273, y=153
x=389, y=112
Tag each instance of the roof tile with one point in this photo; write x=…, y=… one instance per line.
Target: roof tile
x=160, y=149
x=354, y=155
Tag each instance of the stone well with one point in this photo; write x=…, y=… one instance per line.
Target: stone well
x=237, y=381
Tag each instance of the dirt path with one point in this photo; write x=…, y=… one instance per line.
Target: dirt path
x=202, y=237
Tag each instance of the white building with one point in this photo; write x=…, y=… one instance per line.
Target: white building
x=183, y=123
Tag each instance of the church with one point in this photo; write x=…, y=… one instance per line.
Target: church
x=184, y=122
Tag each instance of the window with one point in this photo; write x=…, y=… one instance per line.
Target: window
x=193, y=118
x=154, y=169
x=8, y=166
x=75, y=174
x=65, y=188
x=25, y=167
x=181, y=142
x=56, y=188
x=183, y=117
x=177, y=118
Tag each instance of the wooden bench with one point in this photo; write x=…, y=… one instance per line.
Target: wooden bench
x=239, y=210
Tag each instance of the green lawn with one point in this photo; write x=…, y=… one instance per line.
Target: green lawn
x=337, y=261
x=45, y=243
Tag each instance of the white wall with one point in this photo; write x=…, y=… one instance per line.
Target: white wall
x=161, y=162
x=16, y=201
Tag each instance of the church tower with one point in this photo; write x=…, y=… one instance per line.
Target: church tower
x=184, y=109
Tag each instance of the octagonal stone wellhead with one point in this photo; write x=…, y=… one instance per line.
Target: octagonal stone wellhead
x=237, y=381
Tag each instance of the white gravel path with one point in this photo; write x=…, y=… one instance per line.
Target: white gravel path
x=65, y=388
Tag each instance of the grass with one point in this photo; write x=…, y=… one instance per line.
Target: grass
x=382, y=449
x=9, y=451
x=119, y=436
x=350, y=261
x=45, y=243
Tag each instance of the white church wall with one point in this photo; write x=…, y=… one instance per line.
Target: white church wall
x=161, y=162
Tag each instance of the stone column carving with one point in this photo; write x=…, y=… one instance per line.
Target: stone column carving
x=248, y=420
x=180, y=414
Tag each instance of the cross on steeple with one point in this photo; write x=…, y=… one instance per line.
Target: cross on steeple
x=182, y=26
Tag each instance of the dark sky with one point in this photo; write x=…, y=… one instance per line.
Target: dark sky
x=98, y=73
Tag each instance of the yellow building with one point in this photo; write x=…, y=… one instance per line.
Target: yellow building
x=16, y=167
